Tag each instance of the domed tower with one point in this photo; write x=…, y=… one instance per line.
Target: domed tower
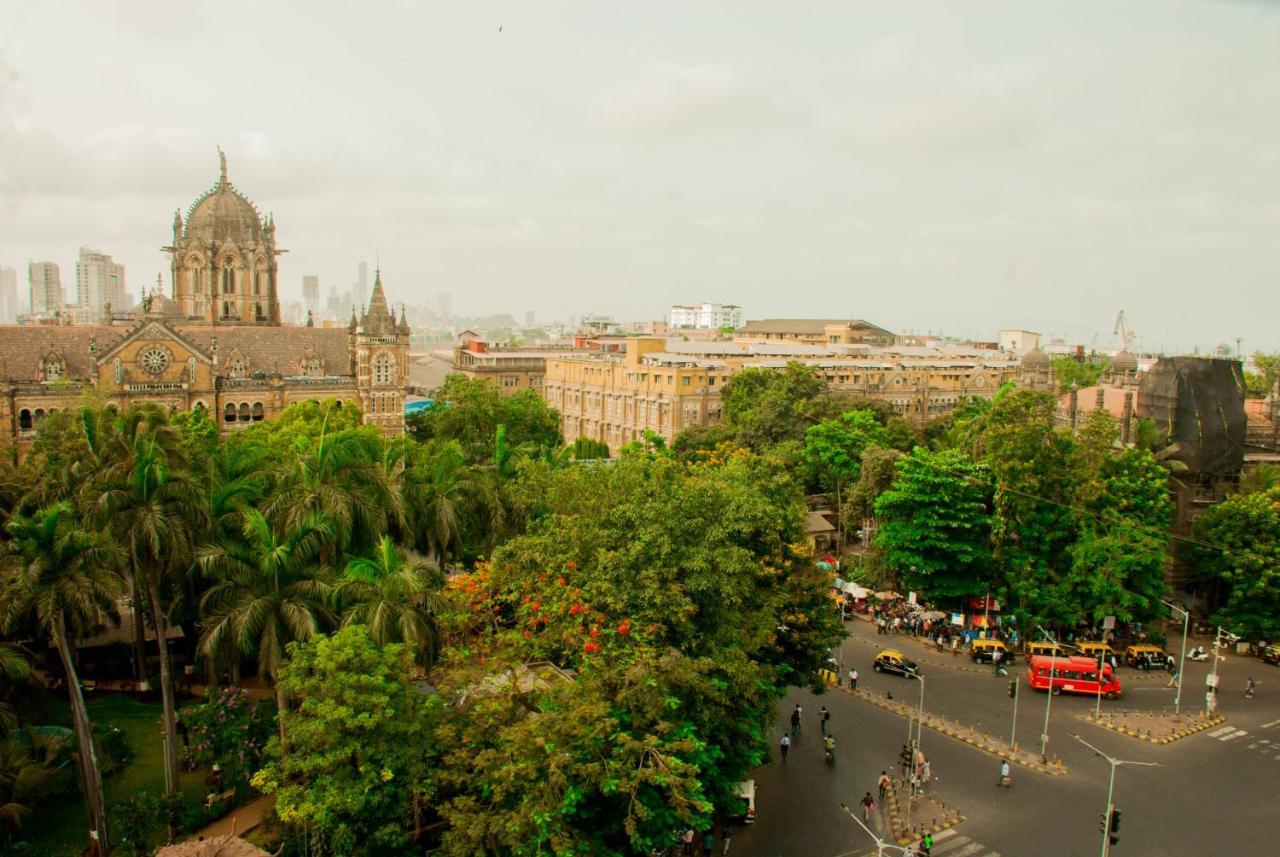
x=1035, y=372
x=224, y=258
x=1122, y=371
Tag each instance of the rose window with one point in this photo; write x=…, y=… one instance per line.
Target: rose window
x=154, y=360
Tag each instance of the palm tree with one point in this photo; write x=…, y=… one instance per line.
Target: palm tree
x=154, y=511
x=439, y=491
x=21, y=777
x=14, y=666
x=270, y=592
x=337, y=477
x=395, y=597
x=62, y=576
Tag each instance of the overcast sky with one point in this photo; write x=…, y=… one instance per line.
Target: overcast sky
x=963, y=166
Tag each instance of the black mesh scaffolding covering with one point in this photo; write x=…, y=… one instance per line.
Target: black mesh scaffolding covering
x=1197, y=405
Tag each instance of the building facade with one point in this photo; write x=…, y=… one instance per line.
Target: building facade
x=46, y=289
x=8, y=295
x=815, y=331
x=212, y=345
x=100, y=286
x=705, y=315
x=666, y=386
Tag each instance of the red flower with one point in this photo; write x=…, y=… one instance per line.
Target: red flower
x=595, y=632
x=537, y=605
x=528, y=634
x=561, y=581
x=570, y=565
x=624, y=628
x=575, y=609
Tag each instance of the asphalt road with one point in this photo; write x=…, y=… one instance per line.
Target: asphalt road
x=1214, y=793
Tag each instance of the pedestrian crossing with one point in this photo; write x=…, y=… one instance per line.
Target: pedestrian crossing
x=1263, y=746
x=1227, y=733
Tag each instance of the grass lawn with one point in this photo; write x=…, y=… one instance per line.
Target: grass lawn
x=60, y=828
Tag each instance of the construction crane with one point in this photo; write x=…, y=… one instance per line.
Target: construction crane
x=1122, y=330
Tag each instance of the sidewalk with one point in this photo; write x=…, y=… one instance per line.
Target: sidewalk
x=239, y=821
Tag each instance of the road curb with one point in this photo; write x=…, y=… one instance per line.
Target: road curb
x=959, y=732
x=1198, y=726
x=897, y=828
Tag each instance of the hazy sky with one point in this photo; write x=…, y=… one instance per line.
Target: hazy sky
x=957, y=165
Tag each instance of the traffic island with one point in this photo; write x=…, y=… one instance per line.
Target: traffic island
x=1154, y=727
x=911, y=817
x=967, y=734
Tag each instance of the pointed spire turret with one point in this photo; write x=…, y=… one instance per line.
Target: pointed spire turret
x=378, y=319
x=222, y=167
x=354, y=323
x=403, y=327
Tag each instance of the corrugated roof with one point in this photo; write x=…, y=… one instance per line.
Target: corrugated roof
x=217, y=846
x=806, y=325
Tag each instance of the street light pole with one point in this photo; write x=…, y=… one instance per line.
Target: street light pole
x=1048, y=701
x=1111, y=787
x=1181, y=668
x=880, y=843
x=1013, y=733
x=1217, y=645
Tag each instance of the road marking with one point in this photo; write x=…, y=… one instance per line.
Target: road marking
x=1269, y=725
x=1238, y=733
x=970, y=849
x=1252, y=746
x=1222, y=731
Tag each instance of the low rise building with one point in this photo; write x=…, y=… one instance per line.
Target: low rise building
x=511, y=368
x=815, y=331
x=667, y=385
x=705, y=315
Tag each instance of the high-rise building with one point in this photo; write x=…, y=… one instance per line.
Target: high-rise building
x=528, y=318
x=46, y=289
x=360, y=292
x=444, y=305
x=99, y=286
x=311, y=295
x=8, y=295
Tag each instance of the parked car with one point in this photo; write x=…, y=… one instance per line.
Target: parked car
x=1271, y=654
x=894, y=661
x=1144, y=656
x=982, y=651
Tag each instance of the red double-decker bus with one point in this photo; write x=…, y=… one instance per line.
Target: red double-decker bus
x=1073, y=675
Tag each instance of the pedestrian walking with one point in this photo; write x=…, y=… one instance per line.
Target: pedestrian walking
x=795, y=719
x=784, y=745
x=1004, y=774
x=823, y=717
x=1248, y=689
x=955, y=646
x=687, y=840
x=883, y=784
x=853, y=679
x=868, y=806
x=1173, y=679
x=708, y=843
x=996, y=656
x=926, y=844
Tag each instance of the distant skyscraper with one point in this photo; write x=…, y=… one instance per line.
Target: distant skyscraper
x=99, y=284
x=360, y=292
x=311, y=295
x=8, y=295
x=46, y=289
x=528, y=318
x=444, y=305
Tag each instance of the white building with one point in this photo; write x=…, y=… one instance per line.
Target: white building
x=46, y=289
x=712, y=316
x=8, y=295
x=1019, y=341
x=99, y=285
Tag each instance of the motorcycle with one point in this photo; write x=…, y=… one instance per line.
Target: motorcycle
x=1199, y=655
x=830, y=752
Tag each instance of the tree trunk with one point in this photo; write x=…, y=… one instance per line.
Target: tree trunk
x=139, y=631
x=166, y=688
x=282, y=705
x=94, y=799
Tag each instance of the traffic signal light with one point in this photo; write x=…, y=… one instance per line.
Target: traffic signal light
x=1114, y=826
x=1013, y=688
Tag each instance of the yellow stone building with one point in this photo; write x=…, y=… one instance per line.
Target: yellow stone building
x=666, y=386
x=218, y=343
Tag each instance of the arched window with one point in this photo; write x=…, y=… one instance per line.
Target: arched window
x=236, y=368
x=191, y=369
x=24, y=419
x=118, y=369
x=384, y=368
x=228, y=276
x=337, y=403
x=39, y=414
x=313, y=367
x=257, y=412
x=53, y=369
x=244, y=412
x=229, y=413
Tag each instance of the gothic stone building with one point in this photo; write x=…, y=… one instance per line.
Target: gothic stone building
x=218, y=343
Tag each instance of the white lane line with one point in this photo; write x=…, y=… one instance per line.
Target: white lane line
x=1221, y=731
x=951, y=845
x=946, y=834
x=970, y=849
x=1269, y=725
x=1252, y=746
x=1238, y=733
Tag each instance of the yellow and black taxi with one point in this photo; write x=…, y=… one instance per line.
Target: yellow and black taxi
x=1271, y=654
x=1144, y=656
x=1094, y=649
x=1045, y=649
x=894, y=661
x=984, y=651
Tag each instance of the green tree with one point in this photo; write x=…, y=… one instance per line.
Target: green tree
x=358, y=746
x=269, y=591
x=61, y=576
x=469, y=411
x=395, y=598
x=151, y=507
x=935, y=524
x=763, y=406
x=833, y=448
x=1068, y=371
x=440, y=492
x=25, y=780
x=1268, y=366
x=1239, y=548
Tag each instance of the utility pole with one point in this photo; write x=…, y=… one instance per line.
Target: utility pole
x=1048, y=701
x=1111, y=821
x=1181, y=669
x=881, y=845
x=1013, y=733
x=1212, y=680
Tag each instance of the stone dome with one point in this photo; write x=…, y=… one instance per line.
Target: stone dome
x=1035, y=360
x=224, y=214
x=1123, y=363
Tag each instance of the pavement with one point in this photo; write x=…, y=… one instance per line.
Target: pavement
x=1210, y=793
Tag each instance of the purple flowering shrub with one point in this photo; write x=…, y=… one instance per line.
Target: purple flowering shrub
x=231, y=730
